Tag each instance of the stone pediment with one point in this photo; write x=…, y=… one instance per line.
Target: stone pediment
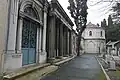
x=91, y=25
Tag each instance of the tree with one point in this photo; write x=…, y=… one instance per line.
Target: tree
x=113, y=29
x=101, y=23
x=98, y=24
x=113, y=33
x=110, y=22
x=104, y=24
x=78, y=11
x=104, y=9
x=116, y=14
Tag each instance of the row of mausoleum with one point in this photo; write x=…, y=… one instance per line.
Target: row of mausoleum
x=34, y=32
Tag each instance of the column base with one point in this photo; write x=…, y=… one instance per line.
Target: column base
x=59, y=57
x=42, y=57
x=66, y=55
x=50, y=60
x=12, y=61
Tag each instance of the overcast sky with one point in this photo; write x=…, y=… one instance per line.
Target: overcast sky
x=96, y=13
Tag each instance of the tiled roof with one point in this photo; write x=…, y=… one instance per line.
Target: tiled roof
x=112, y=43
x=91, y=25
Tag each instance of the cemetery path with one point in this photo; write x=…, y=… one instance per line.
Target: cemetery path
x=84, y=67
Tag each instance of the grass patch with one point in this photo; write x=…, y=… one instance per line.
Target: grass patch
x=117, y=73
x=101, y=76
x=1, y=77
x=114, y=75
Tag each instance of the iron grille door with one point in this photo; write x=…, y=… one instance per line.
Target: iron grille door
x=29, y=31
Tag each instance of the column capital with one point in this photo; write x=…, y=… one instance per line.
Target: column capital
x=46, y=7
x=45, y=10
x=20, y=18
x=21, y=15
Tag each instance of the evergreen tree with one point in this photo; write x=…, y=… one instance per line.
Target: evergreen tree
x=110, y=22
x=113, y=30
x=104, y=24
x=101, y=24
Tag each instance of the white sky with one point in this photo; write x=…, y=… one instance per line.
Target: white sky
x=96, y=13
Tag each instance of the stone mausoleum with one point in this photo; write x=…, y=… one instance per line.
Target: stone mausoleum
x=94, y=39
x=32, y=32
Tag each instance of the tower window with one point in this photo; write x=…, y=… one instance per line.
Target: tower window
x=90, y=33
x=101, y=34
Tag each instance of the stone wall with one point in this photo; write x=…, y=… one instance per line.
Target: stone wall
x=3, y=28
x=94, y=46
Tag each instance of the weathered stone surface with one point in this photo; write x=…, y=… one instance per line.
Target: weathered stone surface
x=28, y=70
x=112, y=65
x=39, y=73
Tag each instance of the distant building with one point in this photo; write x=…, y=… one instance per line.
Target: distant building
x=94, y=39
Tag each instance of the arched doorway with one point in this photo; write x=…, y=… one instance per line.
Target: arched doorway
x=91, y=47
x=29, y=35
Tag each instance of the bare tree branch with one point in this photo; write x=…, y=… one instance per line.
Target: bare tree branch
x=97, y=3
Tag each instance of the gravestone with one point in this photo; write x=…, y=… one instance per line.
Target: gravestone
x=112, y=65
x=108, y=58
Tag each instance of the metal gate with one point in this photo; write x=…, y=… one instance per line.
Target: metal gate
x=29, y=33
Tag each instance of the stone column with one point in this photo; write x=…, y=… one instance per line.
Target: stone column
x=44, y=54
x=39, y=43
x=13, y=16
x=57, y=38
x=70, y=43
x=51, y=36
x=4, y=5
x=19, y=35
x=19, y=40
x=68, y=39
x=61, y=40
x=12, y=60
x=67, y=42
x=44, y=32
